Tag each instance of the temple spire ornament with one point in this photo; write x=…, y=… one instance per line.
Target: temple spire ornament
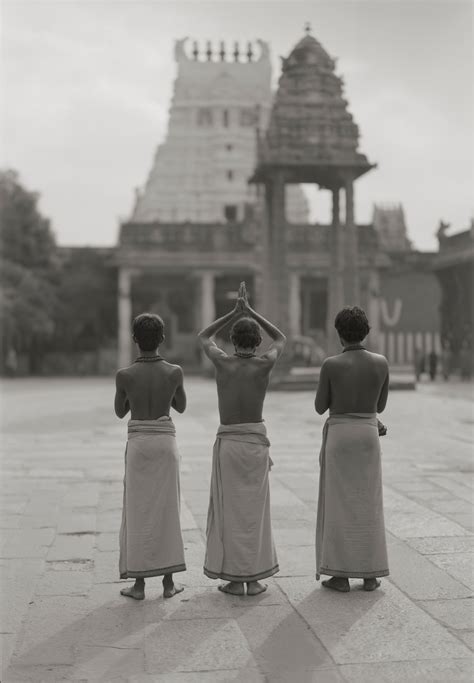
x=307, y=28
x=236, y=52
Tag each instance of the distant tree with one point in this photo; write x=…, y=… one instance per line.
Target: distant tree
x=86, y=317
x=28, y=271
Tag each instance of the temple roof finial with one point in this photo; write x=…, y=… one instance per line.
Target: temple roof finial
x=307, y=27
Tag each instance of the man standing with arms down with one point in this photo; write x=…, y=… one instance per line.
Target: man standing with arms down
x=350, y=531
x=240, y=546
x=151, y=543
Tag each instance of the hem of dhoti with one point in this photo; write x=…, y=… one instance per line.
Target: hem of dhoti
x=353, y=575
x=241, y=577
x=153, y=572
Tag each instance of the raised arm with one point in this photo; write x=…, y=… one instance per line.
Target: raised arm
x=121, y=404
x=210, y=348
x=276, y=335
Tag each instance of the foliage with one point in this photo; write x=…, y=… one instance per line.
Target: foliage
x=86, y=316
x=26, y=237
x=28, y=262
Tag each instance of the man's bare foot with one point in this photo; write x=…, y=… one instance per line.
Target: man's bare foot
x=255, y=588
x=337, y=584
x=371, y=584
x=169, y=588
x=233, y=587
x=137, y=591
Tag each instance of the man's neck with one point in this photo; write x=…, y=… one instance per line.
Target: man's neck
x=148, y=354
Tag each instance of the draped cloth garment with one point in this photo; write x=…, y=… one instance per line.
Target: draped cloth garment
x=151, y=543
x=239, y=533
x=350, y=529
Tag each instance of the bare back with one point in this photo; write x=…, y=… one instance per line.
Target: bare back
x=355, y=381
x=241, y=387
x=149, y=388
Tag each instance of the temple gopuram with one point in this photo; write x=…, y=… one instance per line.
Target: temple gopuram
x=224, y=203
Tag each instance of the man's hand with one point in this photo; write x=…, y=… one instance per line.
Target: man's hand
x=243, y=292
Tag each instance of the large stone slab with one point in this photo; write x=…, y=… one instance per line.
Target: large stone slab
x=456, y=614
x=419, y=578
x=53, y=626
x=459, y=565
x=245, y=675
x=76, y=547
x=404, y=518
x=197, y=645
x=26, y=543
x=370, y=627
x=437, y=545
x=423, y=671
x=282, y=644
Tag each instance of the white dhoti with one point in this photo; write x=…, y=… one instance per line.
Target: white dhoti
x=151, y=543
x=350, y=529
x=239, y=533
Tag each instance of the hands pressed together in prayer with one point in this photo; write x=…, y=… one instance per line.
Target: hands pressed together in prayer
x=242, y=305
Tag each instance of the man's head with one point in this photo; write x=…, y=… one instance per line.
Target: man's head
x=246, y=334
x=352, y=325
x=148, y=331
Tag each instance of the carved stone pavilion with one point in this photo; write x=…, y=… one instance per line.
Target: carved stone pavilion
x=311, y=138
x=223, y=203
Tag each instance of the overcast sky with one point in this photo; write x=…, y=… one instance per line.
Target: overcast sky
x=88, y=87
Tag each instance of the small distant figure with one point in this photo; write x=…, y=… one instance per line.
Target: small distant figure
x=446, y=361
x=151, y=542
x=465, y=361
x=419, y=363
x=11, y=362
x=433, y=364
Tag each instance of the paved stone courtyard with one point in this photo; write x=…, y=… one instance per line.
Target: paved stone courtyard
x=63, y=617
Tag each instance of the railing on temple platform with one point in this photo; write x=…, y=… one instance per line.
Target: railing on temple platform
x=215, y=237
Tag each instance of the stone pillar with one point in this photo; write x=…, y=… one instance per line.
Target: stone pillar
x=351, y=270
x=336, y=274
x=278, y=282
x=373, y=312
x=124, y=317
x=208, y=308
x=294, y=327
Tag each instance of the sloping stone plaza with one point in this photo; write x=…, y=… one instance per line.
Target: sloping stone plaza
x=63, y=617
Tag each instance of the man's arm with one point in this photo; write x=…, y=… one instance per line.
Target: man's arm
x=121, y=404
x=210, y=348
x=278, y=338
x=323, y=393
x=178, y=401
x=382, y=401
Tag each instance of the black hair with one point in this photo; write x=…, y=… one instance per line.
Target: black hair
x=148, y=331
x=352, y=325
x=246, y=333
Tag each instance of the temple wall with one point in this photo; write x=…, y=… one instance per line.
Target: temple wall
x=410, y=301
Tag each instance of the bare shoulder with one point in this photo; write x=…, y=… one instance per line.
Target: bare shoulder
x=331, y=362
x=377, y=358
x=121, y=375
x=175, y=370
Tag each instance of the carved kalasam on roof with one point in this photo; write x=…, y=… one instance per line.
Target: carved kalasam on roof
x=309, y=123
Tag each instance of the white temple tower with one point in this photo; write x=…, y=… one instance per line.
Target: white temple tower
x=200, y=172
